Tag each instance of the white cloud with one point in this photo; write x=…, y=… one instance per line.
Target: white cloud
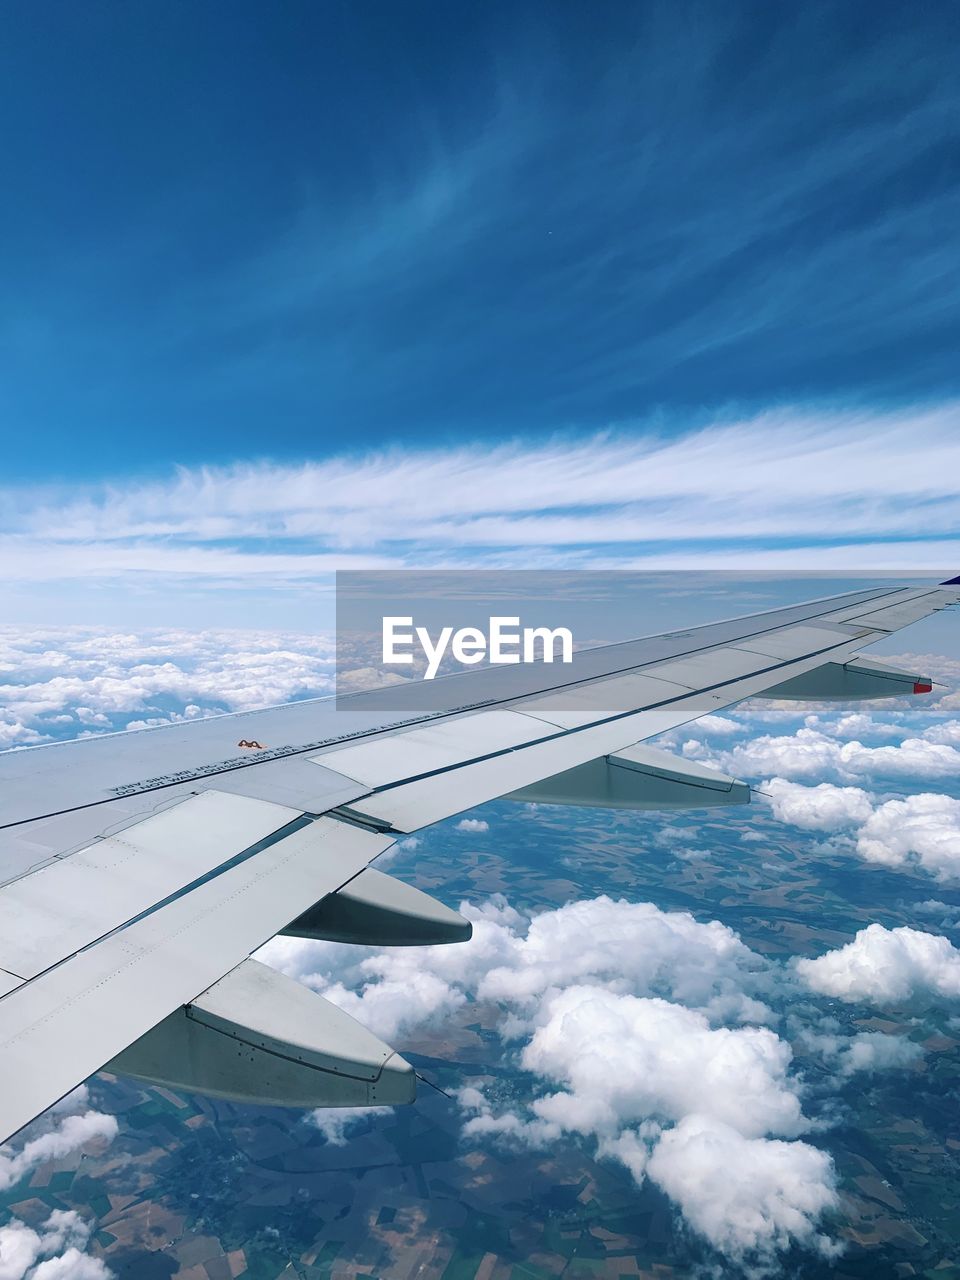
x=622, y=1059
x=811, y=753
x=59, y=682
x=631, y=945
x=923, y=829
x=72, y=1265
x=804, y=754
x=395, y=1003
x=944, y=912
x=913, y=757
x=776, y=1198
x=824, y=807
x=26, y=1254
x=67, y=1135
x=19, y=1250
x=947, y=733
x=636, y=1019
x=717, y=725
x=789, y=472
x=336, y=1123
x=886, y=967
x=473, y=825
x=872, y=1051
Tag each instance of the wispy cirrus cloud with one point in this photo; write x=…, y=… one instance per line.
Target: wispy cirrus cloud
x=579, y=222
x=787, y=489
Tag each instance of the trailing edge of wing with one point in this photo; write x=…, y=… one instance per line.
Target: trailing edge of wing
x=64, y=1025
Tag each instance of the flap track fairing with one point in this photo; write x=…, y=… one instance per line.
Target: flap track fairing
x=375, y=909
x=850, y=681
x=258, y=1036
x=638, y=777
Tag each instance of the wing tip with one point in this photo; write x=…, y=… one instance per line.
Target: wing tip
x=951, y=582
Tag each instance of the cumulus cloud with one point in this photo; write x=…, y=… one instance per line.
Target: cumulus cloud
x=886, y=967
x=71, y=1265
x=779, y=1194
x=946, y=914
x=638, y=1022
x=336, y=1123
x=923, y=829
x=824, y=807
x=68, y=1134
x=473, y=825
x=872, y=1051
x=857, y=724
x=686, y=1104
x=397, y=1001
x=62, y=682
x=26, y=1254
x=623, y=1059
x=510, y=959
x=718, y=725
x=811, y=753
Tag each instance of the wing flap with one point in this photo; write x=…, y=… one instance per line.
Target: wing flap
x=585, y=704
x=64, y=1025
x=712, y=666
x=377, y=910
x=438, y=746
x=72, y=901
x=639, y=777
x=899, y=609
x=793, y=641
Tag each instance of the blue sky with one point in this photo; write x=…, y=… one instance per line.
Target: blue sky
x=330, y=285
x=239, y=231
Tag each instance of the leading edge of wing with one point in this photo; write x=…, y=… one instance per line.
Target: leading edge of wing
x=128, y=772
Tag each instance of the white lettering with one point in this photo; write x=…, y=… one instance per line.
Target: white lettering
x=498, y=639
x=391, y=640
x=549, y=638
x=469, y=645
x=434, y=652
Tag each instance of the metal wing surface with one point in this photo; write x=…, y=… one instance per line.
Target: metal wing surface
x=139, y=871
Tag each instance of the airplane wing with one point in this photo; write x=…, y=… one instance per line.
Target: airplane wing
x=140, y=871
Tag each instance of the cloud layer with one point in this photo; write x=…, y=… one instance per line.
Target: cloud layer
x=886, y=967
x=722, y=494
x=63, y=682
x=56, y=1250
x=644, y=1032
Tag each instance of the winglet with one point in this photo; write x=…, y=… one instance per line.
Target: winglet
x=951, y=582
